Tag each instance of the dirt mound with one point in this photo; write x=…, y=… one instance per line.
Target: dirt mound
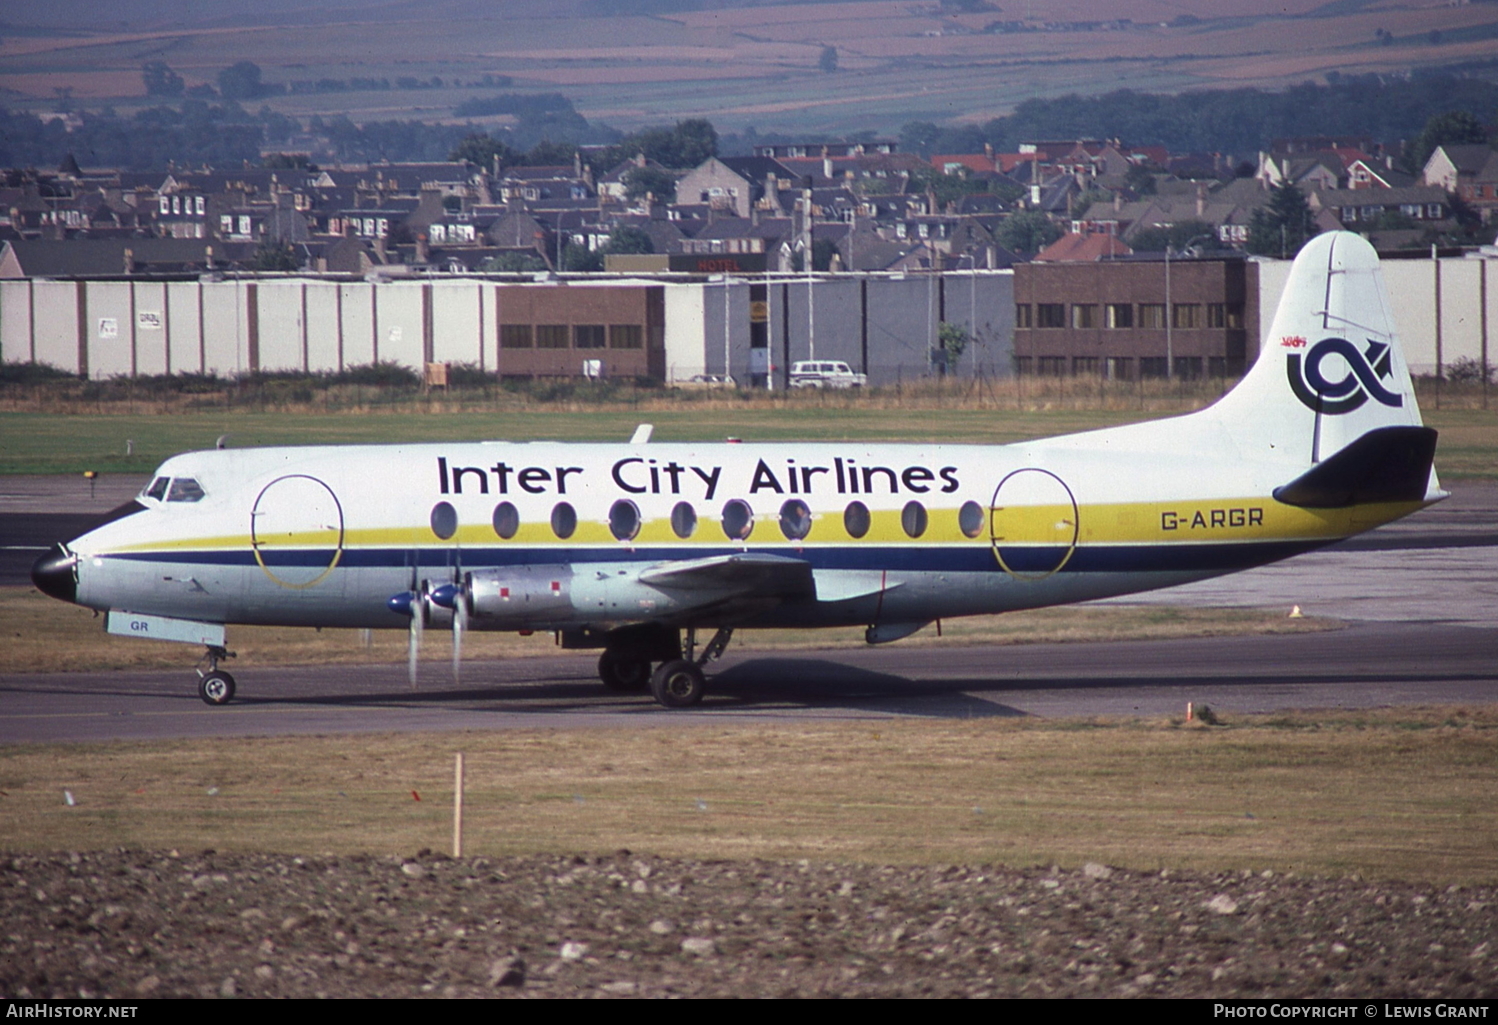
x=134, y=923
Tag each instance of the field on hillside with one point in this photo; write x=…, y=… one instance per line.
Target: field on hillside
x=739, y=66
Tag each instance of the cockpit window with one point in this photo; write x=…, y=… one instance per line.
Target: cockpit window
x=157, y=490
x=184, y=489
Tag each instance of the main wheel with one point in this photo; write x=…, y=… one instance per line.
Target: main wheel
x=623, y=672
x=678, y=684
x=216, y=688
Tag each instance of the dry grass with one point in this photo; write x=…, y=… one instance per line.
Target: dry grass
x=42, y=635
x=1410, y=794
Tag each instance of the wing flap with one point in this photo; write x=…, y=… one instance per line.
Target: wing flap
x=748, y=573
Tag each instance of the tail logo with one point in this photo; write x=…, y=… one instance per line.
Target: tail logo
x=1365, y=370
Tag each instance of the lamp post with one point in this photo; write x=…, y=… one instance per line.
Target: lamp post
x=1170, y=309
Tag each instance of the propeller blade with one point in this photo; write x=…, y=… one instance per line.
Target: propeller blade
x=460, y=626
x=418, y=626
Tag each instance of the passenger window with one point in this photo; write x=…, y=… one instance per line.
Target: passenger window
x=506, y=520
x=444, y=520
x=563, y=520
x=913, y=519
x=738, y=520
x=157, y=490
x=795, y=519
x=624, y=520
x=970, y=518
x=684, y=520
x=856, y=519
x=185, y=489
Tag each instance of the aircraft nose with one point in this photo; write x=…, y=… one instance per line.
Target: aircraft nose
x=55, y=573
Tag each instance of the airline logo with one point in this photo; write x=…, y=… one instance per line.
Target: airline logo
x=1364, y=373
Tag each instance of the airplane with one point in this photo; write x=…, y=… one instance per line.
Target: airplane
x=634, y=548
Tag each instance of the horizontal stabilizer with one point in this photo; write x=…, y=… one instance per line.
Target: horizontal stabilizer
x=747, y=573
x=1389, y=464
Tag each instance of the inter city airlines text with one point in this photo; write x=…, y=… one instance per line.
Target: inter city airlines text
x=638, y=476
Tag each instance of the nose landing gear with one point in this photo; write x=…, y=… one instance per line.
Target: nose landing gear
x=215, y=686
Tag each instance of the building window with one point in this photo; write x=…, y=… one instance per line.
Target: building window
x=1050, y=314
x=589, y=336
x=515, y=336
x=624, y=336
x=1189, y=368
x=1152, y=366
x=1186, y=315
x=1152, y=316
x=1120, y=368
x=1084, y=315
x=1022, y=317
x=551, y=336
x=1052, y=366
x=1116, y=315
x=1023, y=366
x=1084, y=365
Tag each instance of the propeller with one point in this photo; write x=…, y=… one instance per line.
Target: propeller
x=455, y=597
x=420, y=604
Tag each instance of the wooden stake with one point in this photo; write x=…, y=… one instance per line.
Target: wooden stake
x=458, y=806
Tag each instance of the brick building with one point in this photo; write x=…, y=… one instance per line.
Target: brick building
x=1137, y=316
x=563, y=330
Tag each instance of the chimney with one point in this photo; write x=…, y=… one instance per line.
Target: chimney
x=1117, y=201
x=826, y=163
x=423, y=251
x=1201, y=199
x=129, y=260
x=208, y=256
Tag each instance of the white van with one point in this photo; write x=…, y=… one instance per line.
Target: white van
x=813, y=373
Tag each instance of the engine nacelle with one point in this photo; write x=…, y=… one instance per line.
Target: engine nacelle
x=547, y=597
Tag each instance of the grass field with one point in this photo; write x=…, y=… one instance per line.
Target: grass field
x=1409, y=794
x=54, y=442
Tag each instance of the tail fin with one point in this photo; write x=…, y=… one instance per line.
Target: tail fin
x=1331, y=369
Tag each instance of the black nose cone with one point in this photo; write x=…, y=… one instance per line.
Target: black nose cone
x=56, y=574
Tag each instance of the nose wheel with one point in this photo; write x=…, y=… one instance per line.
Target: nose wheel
x=215, y=686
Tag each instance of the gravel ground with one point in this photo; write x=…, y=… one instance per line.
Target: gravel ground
x=136, y=923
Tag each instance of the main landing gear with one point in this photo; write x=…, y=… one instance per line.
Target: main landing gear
x=679, y=681
x=215, y=686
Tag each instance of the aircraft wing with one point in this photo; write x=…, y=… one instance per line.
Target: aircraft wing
x=748, y=574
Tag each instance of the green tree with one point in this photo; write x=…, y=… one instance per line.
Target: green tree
x=580, y=258
x=1140, y=180
x=276, y=256
x=1173, y=237
x=828, y=61
x=953, y=340
x=1452, y=128
x=1027, y=232
x=514, y=261
x=241, y=81
x=640, y=180
x=1283, y=225
x=628, y=239
x=161, y=80
x=483, y=150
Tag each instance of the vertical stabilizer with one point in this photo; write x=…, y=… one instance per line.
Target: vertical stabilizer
x=1331, y=368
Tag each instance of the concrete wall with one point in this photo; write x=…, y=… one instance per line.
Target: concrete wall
x=1464, y=282
x=108, y=328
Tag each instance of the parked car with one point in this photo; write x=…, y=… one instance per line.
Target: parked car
x=813, y=373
